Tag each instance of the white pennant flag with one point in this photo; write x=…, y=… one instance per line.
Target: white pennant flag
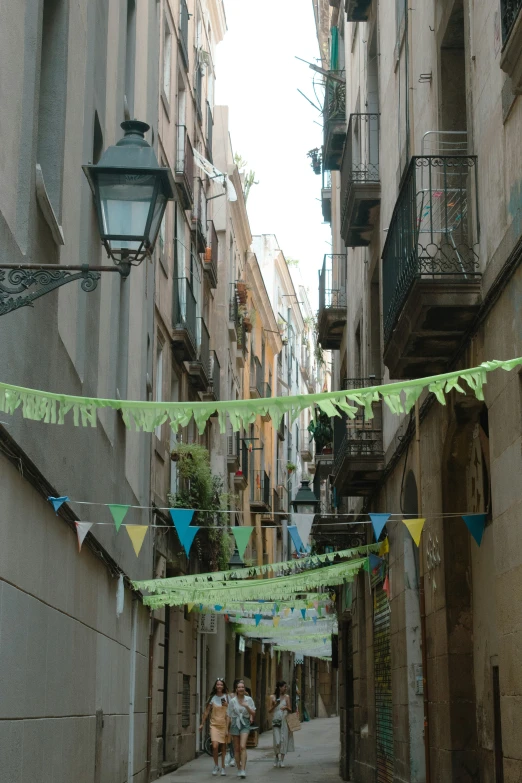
x=215, y=173
x=82, y=528
x=120, y=596
x=304, y=523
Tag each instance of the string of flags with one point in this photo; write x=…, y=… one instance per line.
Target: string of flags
x=475, y=523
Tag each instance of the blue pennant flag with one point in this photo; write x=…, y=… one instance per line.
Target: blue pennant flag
x=274, y=610
x=374, y=561
x=218, y=608
x=57, y=502
x=324, y=640
x=476, y=524
x=292, y=609
x=257, y=618
x=314, y=618
x=296, y=538
x=181, y=517
x=303, y=613
x=378, y=522
x=186, y=537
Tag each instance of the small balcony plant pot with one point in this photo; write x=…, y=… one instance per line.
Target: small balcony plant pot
x=242, y=292
x=247, y=323
x=208, y=254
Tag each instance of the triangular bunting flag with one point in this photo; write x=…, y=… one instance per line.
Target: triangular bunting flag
x=286, y=611
x=314, y=619
x=296, y=538
x=137, y=534
x=303, y=523
x=276, y=621
x=303, y=613
x=218, y=608
x=242, y=535
x=476, y=524
x=118, y=513
x=365, y=567
x=258, y=618
x=82, y=528
x=190, y=607
x=386, y=586
x=374, y=561
x=57, y=502
x=378, y=522
x=415, y=527
x=186, y=537
x=384, y=548
x=181, y=517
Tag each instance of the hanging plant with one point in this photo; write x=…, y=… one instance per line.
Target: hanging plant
x=290, y=466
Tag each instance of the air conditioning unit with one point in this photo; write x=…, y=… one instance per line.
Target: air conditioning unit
x=208, y=623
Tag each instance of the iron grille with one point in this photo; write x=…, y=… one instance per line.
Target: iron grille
x=509, y=10
x=433, y=231
x=383, y=687
x=332, y=292
x=335, y=97
x=185, y=702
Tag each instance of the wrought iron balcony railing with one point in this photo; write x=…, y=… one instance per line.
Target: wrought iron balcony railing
x=260, y=494
x=332, y=293
x=509, y=10
x=199, y=215
x=334, y=119
x=184, y=315
x=360, y=180
x=198, y=91
x=361, y=152
x=433, y=232
x=210, y=262
x=233, y=305
x=210, y=128
x=183, y=31
x=184, y=165
x=203, y=342
x=215, y=375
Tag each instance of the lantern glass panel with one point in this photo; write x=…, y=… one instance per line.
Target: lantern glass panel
x=125, y=202
x=157, y=217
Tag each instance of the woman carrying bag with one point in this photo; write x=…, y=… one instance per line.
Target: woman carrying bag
x=217, y=706
x=280, y=707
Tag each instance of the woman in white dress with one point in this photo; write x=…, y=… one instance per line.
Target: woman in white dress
x=280, y=706
x=241, y=712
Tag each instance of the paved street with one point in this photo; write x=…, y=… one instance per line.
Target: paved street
x=316, y=759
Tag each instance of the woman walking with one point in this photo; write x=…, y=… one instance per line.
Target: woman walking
x=280, y=706
x=217, y=706
x=241, y=711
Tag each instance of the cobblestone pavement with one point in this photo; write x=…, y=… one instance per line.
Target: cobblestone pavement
x=315, y=760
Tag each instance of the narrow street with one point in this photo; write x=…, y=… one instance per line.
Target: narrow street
x=316, y=759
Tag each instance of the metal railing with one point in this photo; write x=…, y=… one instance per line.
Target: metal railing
x=306, y=441
x=335, y=97
x=210, y=263
x=433, y=232
x=233, y=305
x=361, y=150
x=203, y=343
x=215, y=375
x=183, y=31
x=185, y=158
x=257, y=377
x=260, y=488
x=198, y=91
x=210, y=127
x=332, y=293
x=509, y=10
x=199, y=209
x=362, y=436
x=266, y=390
x=184, y=315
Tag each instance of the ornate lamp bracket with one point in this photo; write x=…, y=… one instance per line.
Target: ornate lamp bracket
x=21, y=284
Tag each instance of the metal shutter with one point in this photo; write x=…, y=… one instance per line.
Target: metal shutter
x=383, y=690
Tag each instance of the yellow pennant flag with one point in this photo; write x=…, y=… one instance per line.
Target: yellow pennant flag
x=190, y=607
x=276, y=621
x=137, y=534
x=287, y=611
x=415, y=527
x=384, y=547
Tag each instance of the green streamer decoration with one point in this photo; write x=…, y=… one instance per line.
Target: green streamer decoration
x=146, y=416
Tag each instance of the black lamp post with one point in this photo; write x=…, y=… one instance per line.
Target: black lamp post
x=130, y=191
x=305, y=501
x=235, y=561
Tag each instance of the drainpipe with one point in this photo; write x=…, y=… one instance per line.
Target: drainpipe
x=149, y=701
x=422, y=602
x=132, y=688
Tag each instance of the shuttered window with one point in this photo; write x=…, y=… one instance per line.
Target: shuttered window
x=383, y=690
x=185, y=705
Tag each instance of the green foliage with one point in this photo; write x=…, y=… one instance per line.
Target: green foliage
x=200, y=489
x=321, y=430
x=292, y=261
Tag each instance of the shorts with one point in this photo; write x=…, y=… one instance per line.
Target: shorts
x=236, y=732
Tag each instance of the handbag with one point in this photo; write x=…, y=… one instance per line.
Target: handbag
x=277, y=722
x=293, y=722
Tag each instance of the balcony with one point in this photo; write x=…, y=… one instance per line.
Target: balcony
x=183, y=32
x=357, y=10
x=210, y=260
x=266, y=393
x=241, y=474
x=241, y=344
x=360, y=180
x=212, y=393
x=511, y=57
x=326, y=196
x=260, y=495
x=431, y=278
x=210, y=129
x=332, y=303
x=280, y=503
x=358, y=447
x=307, y=446
x=184, y=322
x=257, y=379
x=198, y=91
x=334, y=119
x=233, y=449
x=199, y=216
x=184, y=172
x=199, y=368
x=233, y=312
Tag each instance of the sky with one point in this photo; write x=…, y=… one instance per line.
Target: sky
x=273, y=127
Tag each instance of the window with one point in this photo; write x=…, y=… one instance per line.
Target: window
x=185, y=702
x=52, y=98
x=167, y=60
x=158, y=395
x=130, y=56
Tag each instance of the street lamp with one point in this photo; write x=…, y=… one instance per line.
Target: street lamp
x=130, y=191
x=305, y=501
x=235, y=561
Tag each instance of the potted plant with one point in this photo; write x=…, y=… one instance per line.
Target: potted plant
x=242, y=291
x=290, y=466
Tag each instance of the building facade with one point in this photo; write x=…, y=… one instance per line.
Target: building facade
x=420, y=119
